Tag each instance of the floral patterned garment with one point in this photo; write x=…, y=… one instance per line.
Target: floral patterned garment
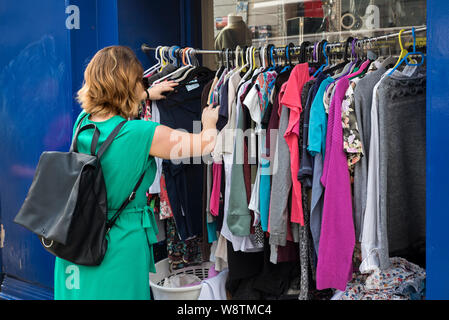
x=352, y=143
x=402, y=281
x=327, y=98
x=182, y=254
x=165, y=211
x=147, y=111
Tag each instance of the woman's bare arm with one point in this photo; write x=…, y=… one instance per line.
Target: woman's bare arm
x=172, y=144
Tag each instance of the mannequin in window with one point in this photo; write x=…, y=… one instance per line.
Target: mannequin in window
x=234, y=34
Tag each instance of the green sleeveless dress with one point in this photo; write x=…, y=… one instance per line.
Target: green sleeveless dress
x=124, y=272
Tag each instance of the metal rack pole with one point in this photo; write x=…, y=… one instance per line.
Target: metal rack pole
x=146, y=48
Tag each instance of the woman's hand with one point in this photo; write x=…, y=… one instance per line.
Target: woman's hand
x=210, y=117
x=157, y=90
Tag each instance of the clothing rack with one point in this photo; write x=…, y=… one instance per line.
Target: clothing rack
x=280, y=50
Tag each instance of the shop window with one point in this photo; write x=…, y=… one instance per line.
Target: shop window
x=280, y=22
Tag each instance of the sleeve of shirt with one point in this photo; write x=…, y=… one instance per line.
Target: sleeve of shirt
x=143, y=135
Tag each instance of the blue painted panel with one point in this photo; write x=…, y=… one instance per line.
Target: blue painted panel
x=152, y=22
x=98, y=29
x=437, y=151
x=107, y=19
x=35, y=115
x=41, y=69
x=18, y=290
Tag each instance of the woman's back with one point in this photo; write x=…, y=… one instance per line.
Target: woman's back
x=125, y=160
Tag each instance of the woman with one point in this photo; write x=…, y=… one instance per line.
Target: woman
x=111, y=93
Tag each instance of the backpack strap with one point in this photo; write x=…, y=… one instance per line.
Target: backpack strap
x=112, y=221
x=132, y=196
x=109, y=140
x=96, y=136
x=77, y=132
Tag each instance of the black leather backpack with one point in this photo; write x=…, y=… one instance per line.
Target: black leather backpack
x=66, y=205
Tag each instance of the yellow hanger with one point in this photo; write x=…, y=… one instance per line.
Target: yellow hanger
x=164, y=62
x=404, y=52
x=254, y=59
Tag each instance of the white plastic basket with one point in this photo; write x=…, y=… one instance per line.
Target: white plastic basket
x=187, y=293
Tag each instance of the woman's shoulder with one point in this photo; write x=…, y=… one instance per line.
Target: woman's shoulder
x=136, y=125
x=140, y=128
x=82, y=115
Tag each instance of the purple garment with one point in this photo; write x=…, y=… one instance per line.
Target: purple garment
x=224, y=106
x=337, y=238
x=215, y=194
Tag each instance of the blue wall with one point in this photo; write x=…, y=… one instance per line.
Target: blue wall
x=437, y=150
x=41, y=69
x=35, y=115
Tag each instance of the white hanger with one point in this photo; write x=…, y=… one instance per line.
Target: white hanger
x=157, y=65
x=262, y=51
x=249, y=57
x=178, y=71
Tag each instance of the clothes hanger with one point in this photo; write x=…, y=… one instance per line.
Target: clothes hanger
x=408, y=55
x=351, y=60
x=303, y=51
x=157, y=65
x=179, y=72
x=261, y=57
x=237, y=56
x=326, y=63
x=172, y=57
x=164, y=62
x=189, y=73
x=361, y=69
x=272, y=60
x=288, y=58
x=390, y=61
x=222, y=65
x=249, y=64
x=404, y=52
x=345, y=63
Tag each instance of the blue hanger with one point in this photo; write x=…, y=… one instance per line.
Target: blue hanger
x=287, y=57
x=324, y=65
x=409, y=54
x=273, y=67
x=173, y=56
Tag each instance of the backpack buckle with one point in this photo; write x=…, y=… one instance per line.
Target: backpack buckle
x=132, y=196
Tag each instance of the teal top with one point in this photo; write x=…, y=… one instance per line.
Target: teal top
x=318, y=121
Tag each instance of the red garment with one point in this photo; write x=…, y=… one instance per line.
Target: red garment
x=313, y=9
x=292, y=100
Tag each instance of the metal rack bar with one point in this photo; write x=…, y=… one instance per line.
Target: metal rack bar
x=146, y=48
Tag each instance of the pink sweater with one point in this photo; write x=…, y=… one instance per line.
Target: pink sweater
x=337, y=238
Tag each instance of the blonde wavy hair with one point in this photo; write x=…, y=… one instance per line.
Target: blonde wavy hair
x=112, y=83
